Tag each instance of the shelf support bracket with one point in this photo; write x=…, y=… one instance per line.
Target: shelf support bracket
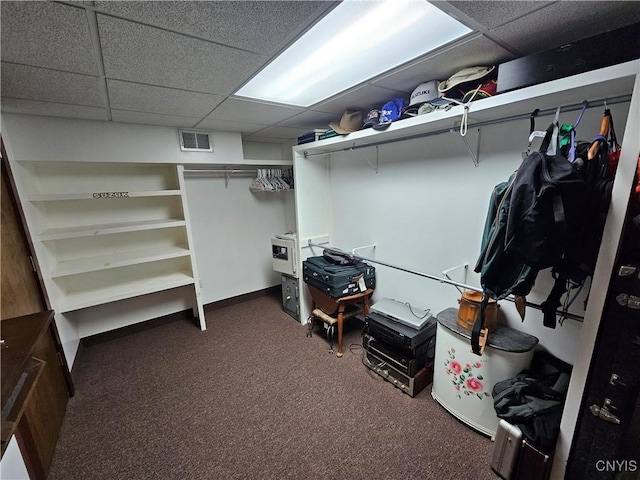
x=445, y=274
x=375, y=168
x=475, y=156
x=354, y=251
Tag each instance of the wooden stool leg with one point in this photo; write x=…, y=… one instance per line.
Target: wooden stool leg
x=340, y=326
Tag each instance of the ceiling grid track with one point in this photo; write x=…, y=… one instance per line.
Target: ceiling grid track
x=92, y=22
x=180, y=64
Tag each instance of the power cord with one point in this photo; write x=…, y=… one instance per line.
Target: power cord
x=427, y=312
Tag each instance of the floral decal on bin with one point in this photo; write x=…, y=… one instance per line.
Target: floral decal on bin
x=466, y=378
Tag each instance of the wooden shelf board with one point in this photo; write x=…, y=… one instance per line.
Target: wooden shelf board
x=103, y=229
x=127, y=289
x=105, y=262
x=54, y=197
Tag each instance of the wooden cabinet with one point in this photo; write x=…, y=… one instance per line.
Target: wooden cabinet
x=105, y=232
x=36, y=387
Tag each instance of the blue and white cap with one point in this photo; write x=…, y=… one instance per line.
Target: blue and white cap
x=390, y=111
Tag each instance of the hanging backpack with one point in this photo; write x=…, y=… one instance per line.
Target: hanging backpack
x=501, y=274
x=547, y=206
x=577, y=263
x=533, y=220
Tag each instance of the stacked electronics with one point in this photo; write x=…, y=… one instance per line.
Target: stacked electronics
x=399, y=343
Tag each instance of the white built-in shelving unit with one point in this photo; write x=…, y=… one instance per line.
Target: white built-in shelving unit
x=108, y=231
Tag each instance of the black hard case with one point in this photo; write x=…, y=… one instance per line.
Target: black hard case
x=533, y=464
x=337, y=280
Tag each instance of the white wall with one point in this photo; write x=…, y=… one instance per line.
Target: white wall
x=232, y=227
x=263, y=151
x=425, y=209
x=38, y=138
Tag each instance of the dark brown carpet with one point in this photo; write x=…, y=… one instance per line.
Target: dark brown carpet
x=252, y=397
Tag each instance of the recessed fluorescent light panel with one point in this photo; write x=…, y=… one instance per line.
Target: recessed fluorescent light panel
x=356, y=41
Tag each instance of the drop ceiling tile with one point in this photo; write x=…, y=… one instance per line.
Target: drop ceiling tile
x=548, y=27
x=257, y=26
x=50, y=109
x=169, y=101
x=221, y=125
x=310, y=120
x=495, y=13
x=127, y=116
x=31, y=83
x=47, y=34
x=363, y=98
x=282, y=133
x=475, y=50
x=259, y=139
x=139, y=53
x=237, y=109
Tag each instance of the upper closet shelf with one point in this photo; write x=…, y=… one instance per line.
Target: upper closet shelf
x=245, y=164
x=267, y=163
x=605, y=83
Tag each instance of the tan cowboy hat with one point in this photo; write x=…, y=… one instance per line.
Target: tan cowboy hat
x=351, y=121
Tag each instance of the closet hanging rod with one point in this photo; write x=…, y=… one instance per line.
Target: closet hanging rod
x=549, y=111
x=444, y=280
x=222, y=171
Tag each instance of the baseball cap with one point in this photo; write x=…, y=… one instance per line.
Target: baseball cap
x=390, y=111
x=432, y=107
x=373, y=117
x=423, y=93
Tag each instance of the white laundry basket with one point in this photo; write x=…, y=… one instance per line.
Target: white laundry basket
x=462, y=380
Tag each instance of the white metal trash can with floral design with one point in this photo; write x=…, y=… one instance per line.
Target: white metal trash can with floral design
x=462, y=380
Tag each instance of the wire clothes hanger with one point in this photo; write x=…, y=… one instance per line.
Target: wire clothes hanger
x=272, y=180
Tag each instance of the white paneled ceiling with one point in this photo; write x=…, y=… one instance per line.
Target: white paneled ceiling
x=178, y=63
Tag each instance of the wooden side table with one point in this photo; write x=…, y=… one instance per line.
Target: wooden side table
x=330, y=306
